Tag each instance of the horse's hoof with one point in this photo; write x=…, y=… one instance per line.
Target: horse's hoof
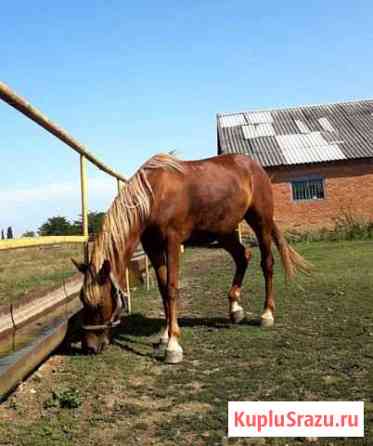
x=266, y=322
x=237, y=316
x=159, y=350
x=173, y=356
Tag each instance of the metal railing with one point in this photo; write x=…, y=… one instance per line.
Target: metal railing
x=23, y=106
x=19, y=103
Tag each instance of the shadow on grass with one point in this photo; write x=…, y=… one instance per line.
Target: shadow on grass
x=136, y=326
x=142, y=326
x=139, y=326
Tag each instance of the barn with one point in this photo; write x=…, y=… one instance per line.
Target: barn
x=319, y=157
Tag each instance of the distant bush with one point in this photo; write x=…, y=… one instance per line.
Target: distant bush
x=59, y=225
x=346, y=227
x=349, y=227
x=29, y=234
x=56, y=226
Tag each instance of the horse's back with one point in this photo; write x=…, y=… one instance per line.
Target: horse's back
x=212, y=194
x=237, y=162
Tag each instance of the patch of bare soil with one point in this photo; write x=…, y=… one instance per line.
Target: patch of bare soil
x=28, y=397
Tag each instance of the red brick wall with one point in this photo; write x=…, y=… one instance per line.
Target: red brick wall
x=348, y=186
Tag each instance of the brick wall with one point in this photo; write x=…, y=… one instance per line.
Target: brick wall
x=348, y=185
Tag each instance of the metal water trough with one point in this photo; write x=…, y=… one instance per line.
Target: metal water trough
x=31, y=330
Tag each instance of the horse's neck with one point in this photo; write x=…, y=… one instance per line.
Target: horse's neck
x=122, y=227
x=121, y=263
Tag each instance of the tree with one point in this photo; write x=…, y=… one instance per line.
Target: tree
x=29, y=234
x=94, y=223
x=61, y=225
x=9, y=234
x=2, y=235
x=56, y=226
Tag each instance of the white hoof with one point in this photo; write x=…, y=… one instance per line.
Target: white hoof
x=266, y=319
x=237, y=316
x=174, y=351
x=173, y=356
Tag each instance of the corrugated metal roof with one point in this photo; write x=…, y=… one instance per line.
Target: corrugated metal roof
x=255, y=131
x=259, y=117
x=302, y=126
x=300, y=135
x=326, y=125
x=232, y=120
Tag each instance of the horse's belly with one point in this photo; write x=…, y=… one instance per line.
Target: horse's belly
x=219, y=219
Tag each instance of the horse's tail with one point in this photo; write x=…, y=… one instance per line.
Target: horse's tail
x=291, y=260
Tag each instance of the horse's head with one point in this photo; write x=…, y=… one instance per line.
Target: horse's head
x=102, y=304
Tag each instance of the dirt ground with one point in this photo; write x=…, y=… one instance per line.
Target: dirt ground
x=319, y=349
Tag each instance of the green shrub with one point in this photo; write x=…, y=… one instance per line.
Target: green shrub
x=346, y=227
x=64, y=398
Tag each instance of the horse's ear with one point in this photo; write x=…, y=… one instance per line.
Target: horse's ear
x=82, y=267
x=105, y=270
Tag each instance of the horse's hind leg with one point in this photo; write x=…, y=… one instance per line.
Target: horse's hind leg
x=241, y=257
x=263, y=231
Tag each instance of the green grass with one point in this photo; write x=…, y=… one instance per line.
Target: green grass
x=319, y=349
x=35, y=270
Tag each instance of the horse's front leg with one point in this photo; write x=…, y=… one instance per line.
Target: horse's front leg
x=161, y=273
x=157, y=257
x=174, y=352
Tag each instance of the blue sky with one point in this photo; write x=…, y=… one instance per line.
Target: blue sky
x=130, y=79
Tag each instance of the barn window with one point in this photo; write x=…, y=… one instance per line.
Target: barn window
x=308, y=189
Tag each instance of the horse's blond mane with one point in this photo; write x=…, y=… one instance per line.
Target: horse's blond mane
x=129, y=210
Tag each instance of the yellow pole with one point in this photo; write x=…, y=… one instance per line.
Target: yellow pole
x=11, y=98
x=119, y=185
x=41, y=241
x=147, y=273
x=84, y=192
x=239, y=230
x=128, y=291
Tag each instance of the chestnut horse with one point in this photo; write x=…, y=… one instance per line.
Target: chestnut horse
x=165, y=203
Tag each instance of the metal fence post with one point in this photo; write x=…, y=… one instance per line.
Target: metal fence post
x=128, y=291
x=84, y=192
x=127, y=271
x=147, y=273
x=239, y=230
